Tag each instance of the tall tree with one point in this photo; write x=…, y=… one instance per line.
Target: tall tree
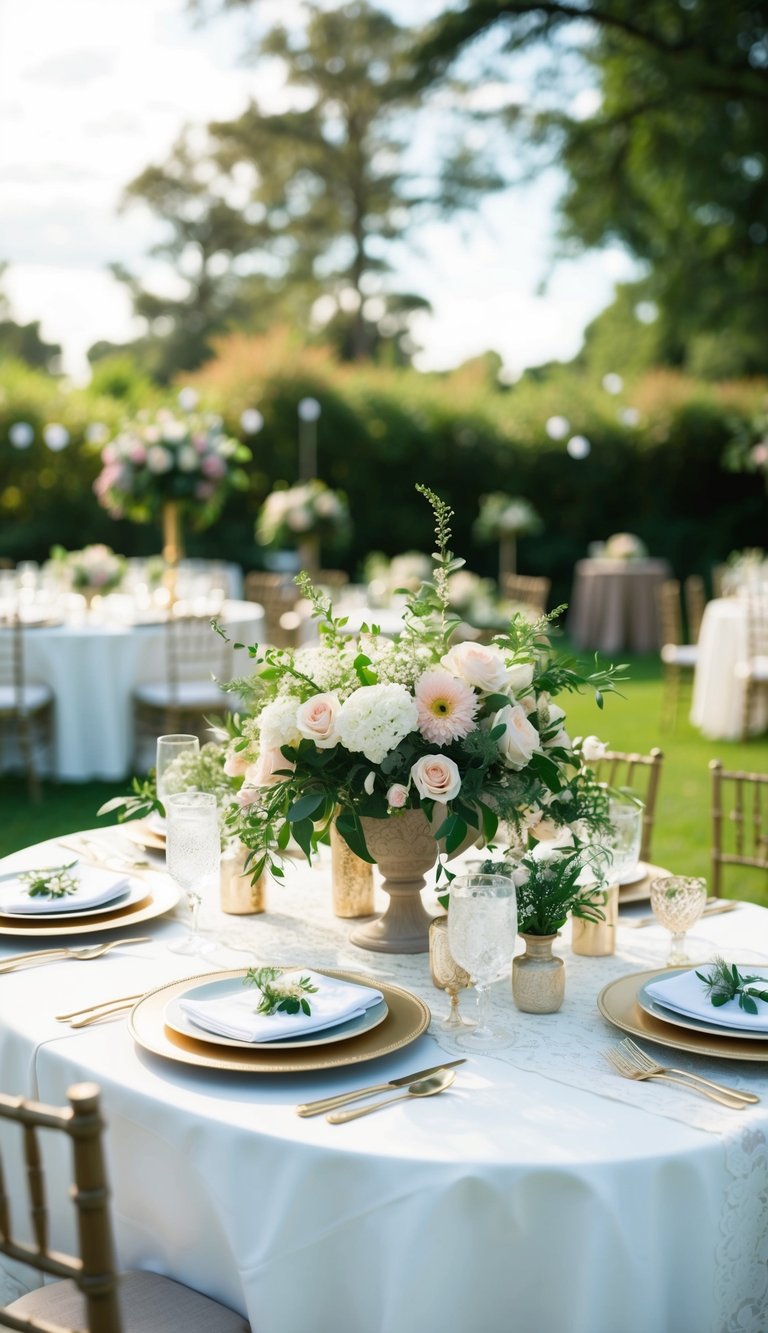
x=204, y=235
x=334, y=185
x=672, y=160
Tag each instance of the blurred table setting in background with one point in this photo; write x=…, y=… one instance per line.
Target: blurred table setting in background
x=613, y=603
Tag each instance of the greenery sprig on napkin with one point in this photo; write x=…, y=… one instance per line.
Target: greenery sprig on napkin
x=725, y=982
x=278, y=996
x=56, y=882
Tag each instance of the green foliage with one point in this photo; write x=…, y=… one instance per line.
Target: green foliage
x=280, y=996
x=57, y=882
x=725, y=982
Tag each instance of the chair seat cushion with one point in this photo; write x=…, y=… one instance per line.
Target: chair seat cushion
x=149, y=1304
x=680, y=654
x=33, y=697
x=188, y=694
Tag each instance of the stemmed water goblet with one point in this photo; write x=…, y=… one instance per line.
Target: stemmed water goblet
x=482, y=925
x=677, y=902
x=447, y=975
x=192, y=855
x=169, y=749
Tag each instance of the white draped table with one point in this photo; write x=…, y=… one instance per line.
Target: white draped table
x=541, y=1192
x=92, y=667
x=718, y=690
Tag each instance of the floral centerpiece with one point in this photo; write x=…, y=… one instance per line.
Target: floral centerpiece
x=445, y=742
x=504, y=518
x=303, y=515
x=623, y=546
x=94, y=569
x=167, y=458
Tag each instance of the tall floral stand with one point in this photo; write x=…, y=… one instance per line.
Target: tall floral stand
x=507, y=557
x=173, y=549
x=309, y=555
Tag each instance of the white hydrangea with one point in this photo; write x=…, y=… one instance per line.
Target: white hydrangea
x=375, y=719
x=277, y=723
x=397, y=663
x=330, y=669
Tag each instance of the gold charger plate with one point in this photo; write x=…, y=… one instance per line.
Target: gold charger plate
x=618, y=1003
x=143, y=835
x=160, y=898
x=640, y=891
x=407, y=1018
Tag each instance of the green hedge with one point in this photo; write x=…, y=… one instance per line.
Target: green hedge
x=382, y=430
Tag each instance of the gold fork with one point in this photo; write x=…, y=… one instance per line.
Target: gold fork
x=59, y=955
x=622, y=1065
x=92, y=1013
x=651, y=1066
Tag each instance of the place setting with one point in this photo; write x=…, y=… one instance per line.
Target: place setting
x=73, y=896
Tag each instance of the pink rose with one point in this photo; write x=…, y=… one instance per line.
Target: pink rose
x=247, y=796
x=236, y=763
x=137, y=454
x=437, y=778
x=397, y=796
x=264, y=773
x=316, y=720
x=213, y=466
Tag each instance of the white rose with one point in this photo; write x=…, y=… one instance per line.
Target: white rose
x=546, y=851
x=554, y=835
x=479, y=664
x=437, y=778
x=520, y=676
x=520, y=739
x=316, y=720
x=592, y=749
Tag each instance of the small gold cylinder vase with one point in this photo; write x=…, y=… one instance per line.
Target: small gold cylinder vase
x=240, y=897
x=351, y=880
x=596, y=939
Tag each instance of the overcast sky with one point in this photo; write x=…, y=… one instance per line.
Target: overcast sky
x=93, y=90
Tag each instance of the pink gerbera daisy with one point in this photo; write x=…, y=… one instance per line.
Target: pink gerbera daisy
x=447, y=707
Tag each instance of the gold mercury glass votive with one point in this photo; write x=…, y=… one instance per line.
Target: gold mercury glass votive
x=240, y=897
x=351, y=880
x=597, y=939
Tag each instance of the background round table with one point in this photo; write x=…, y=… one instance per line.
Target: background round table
x=613, y=605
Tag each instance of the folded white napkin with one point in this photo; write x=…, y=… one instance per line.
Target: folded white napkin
x=94, y=887
x=686, y=994
x=235, y=1015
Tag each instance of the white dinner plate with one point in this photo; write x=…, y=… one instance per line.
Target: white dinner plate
x=179, y=1021
x=666, y=1015
x=134, y=893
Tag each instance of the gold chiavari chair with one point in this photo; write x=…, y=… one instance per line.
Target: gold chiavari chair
x=88, y=1294
x=752, y=670
x=26, y=706
x=526, y=589
x=642, y=774
x=678, y=658
x=739, y=821
x=695, y=602
x=187, y=694
x=278, y=596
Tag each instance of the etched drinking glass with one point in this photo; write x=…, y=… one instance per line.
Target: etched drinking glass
x=193, y=856
x=447, y=975
x=678, y=902
x=482, y=925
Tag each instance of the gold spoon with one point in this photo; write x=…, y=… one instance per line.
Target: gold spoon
x=423, y=1087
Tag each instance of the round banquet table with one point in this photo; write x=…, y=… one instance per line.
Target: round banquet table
x=540, y=1192
x=718, y=691
x=93, y=666
x=613, y=605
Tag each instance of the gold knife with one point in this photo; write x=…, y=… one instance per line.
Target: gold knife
x=330, y=1103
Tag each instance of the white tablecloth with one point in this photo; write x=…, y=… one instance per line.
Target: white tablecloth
x=92, y=669
x=718, y=693
x=540, y=1193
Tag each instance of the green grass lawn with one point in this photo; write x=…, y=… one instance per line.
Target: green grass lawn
x=682, y=835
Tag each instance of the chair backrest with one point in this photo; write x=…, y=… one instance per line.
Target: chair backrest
x=333, y=579
x=757, y=623
x=94, y=1269
x=718, y=580
x=278, y=595
x=739, y=821
x=12, y=665
x=695, y=602
x=194, y=651
x=528, y=590
x=641, y=773
x=670, y=618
